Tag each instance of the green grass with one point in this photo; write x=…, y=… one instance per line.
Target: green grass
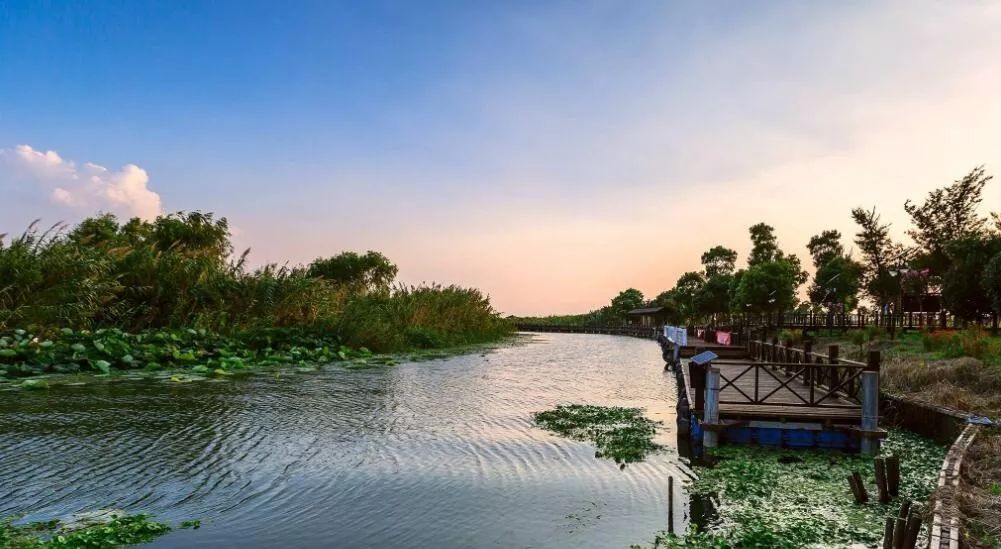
x=619, y=434
x=794, y=498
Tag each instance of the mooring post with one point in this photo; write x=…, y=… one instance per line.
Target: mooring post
x=870, y=405
x=709, y=434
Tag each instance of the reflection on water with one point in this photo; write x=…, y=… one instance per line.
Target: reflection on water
x=439, y=453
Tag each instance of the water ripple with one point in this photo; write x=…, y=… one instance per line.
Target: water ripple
x=440, y=453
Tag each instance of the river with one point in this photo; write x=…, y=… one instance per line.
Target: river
x=432, y=454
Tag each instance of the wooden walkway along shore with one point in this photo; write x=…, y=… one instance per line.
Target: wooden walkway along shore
x=635, y=331
x=783, y=396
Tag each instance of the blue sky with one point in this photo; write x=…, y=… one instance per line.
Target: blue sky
x=550, y=153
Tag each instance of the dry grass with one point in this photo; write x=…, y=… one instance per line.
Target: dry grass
x=965, y=384
x=980, y=496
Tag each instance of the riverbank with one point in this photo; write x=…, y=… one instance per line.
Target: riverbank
x=31, y=362
x=961, y=371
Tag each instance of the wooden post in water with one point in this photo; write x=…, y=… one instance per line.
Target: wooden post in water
x=893, y=476
x=709, y=434
x=881, y=484
x=670, y=504
x=888, y=532
x=912, y=529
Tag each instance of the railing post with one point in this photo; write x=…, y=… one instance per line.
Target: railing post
x=870, y=405
x=709, y=434
x=698, y=375
x=832, y=354
x=809, y=369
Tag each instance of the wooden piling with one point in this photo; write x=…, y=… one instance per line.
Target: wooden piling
x=893, y=476
x=888, y=533
x=858, y=488
x=881, y=485
x=912, y=529
x=670, y=504
x=899, y=531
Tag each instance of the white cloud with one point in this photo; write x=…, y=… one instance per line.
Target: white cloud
x=90, y=187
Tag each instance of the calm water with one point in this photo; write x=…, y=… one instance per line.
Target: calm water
x=432, y=454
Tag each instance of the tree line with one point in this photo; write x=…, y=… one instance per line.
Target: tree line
x=955, y=252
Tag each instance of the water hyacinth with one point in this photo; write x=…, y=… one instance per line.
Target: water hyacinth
x=100, y=352
x=797, y=498
x=620, y=434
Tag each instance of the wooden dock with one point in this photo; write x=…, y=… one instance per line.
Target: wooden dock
x=779, y=395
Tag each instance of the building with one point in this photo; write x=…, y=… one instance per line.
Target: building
x=647, y=316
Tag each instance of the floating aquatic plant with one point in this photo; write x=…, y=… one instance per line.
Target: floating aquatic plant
x=620, y=434
x=118, y=531
x=799, y=498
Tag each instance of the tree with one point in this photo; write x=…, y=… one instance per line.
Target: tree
x=672, y=310
x=948, y=214
x=626, y=301
x=768, y=286
x=764, y=244
x=880, y=254
x=966, y=290
x=685, y=292
x=836, y=279
x=992, y=282
x=824, y=247
x=371, y=271
x=719, y=260
x=837, y=282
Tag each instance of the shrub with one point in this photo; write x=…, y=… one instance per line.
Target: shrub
x=176, y=273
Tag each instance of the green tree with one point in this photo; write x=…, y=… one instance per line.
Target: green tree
x=719, y=260
x=672, y=310
x=627, y=300
x=948, y=214
x=992, y=282
x=837, y=277
x=837, y=281
x=966, y=290
x=768, y=286
x=371, y=271
x=713, y=295
x=879, y=255
x=686, y=290
x=764, y=244
x=824, y=247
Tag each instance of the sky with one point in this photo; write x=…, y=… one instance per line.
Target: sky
x=549, y=153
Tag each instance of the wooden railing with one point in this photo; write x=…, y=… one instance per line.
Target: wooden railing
x=899, y=321
x=827, y=376
x=779, y=375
